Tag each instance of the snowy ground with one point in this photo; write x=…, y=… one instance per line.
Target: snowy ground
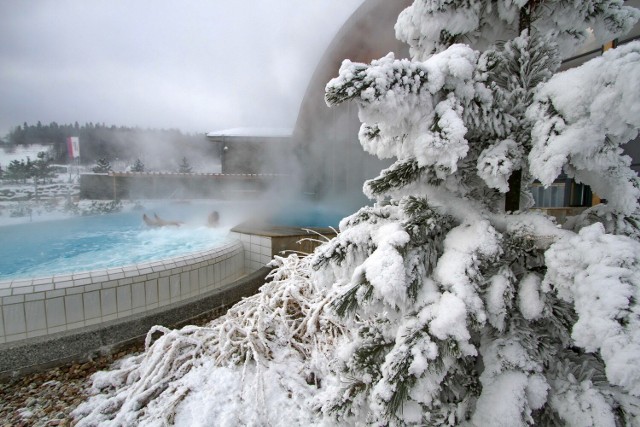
x=57, y=199
x=20, y=152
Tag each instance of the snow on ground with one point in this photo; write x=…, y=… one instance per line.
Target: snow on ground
x=20, y=152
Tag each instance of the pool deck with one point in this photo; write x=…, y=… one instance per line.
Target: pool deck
x=271, y=240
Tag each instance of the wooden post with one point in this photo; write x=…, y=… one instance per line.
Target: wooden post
x=512, y=198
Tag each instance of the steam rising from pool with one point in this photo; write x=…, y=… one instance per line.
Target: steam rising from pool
x=92, y=243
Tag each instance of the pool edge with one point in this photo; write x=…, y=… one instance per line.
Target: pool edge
x=78, y=345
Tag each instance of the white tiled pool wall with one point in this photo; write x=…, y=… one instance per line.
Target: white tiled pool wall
x=37, y=307
x=257, y=250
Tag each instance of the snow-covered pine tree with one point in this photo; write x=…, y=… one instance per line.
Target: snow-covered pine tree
x=184, y=166
x=138, y=166
x=102, y=166
x=461, y=312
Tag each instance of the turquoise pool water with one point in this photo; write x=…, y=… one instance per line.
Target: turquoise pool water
x=305, y=215
x=43, y=249
x=85, y=243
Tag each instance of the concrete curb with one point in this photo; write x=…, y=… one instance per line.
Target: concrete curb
x=36, y=354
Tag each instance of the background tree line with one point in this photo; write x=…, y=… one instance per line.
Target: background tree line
x=99, y=141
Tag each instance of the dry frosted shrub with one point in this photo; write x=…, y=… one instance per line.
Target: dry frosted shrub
x=287, y=311
x=282, y=318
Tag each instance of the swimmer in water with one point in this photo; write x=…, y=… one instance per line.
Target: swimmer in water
x=213, y=219
x=149, y=221
x=159, y=222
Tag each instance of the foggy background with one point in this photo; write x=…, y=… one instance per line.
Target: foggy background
x=193, y=65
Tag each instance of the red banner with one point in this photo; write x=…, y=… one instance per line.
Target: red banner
x=73, y=147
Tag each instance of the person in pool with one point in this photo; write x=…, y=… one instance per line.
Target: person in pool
x=149, y=221
x=158, y=222
x=163, y=222
x=213, y=219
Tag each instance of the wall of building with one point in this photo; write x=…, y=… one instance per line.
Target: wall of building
x=118, y=186
x=326, y=139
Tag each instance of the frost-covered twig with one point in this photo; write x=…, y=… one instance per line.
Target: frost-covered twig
x=286, y=313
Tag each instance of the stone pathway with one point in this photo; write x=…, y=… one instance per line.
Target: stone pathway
x=47, y=398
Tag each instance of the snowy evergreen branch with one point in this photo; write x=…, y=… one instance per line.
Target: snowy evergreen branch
x=352, y=298
x=612, y=221
x=398, y=175
x=580, y=130
x=432, y=26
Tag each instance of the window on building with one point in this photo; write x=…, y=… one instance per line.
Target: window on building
x=550, y=197
x=564, y=192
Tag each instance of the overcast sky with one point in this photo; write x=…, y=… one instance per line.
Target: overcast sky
x=194, y=65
